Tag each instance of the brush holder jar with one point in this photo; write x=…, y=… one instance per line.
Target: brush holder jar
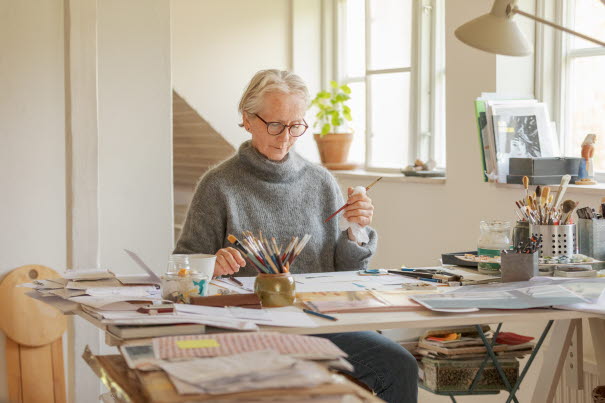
x=275, y=289
x=493, y=237
x=557, y=240
x=518, y=266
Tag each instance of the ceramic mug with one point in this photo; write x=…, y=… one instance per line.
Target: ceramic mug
x=202, y=263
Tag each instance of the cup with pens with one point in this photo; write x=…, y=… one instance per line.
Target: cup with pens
x=274, y=283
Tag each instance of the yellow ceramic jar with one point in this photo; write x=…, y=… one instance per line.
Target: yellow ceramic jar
x=275, y=289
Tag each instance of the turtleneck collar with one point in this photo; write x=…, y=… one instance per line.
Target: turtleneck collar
x=271, y=171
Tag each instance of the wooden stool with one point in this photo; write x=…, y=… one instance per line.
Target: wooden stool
x=34, y=349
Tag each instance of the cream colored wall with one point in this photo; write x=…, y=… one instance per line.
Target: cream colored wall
x=218, y=45
x=32, y=134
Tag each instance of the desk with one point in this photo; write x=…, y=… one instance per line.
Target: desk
x=555, y=353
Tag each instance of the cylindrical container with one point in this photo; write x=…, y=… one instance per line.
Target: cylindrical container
x=494, y=236
x=275, y=289
x=518, y=266
x=520, y=233
x=557, y=240
x=591, y=240
x=180, y=283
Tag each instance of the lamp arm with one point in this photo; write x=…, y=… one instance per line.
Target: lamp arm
x=515, y=10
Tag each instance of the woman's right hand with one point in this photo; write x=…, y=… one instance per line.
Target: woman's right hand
x=228, y=261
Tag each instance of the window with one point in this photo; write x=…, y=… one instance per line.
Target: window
x=390, y=52
x=580, y=79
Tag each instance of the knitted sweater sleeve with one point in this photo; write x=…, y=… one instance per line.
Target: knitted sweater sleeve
x=205, y=226
x=349, y=255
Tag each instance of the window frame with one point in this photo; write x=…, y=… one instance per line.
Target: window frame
x=552, y=79
x=427, y=76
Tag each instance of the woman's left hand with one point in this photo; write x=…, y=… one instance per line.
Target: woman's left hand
x=359, y=209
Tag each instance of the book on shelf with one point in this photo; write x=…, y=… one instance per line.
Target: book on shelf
x=142, y=331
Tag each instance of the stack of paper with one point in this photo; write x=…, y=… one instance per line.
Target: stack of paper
x=358, y=301
x=244, y=372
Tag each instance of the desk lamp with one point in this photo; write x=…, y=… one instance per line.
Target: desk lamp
x=497, y=32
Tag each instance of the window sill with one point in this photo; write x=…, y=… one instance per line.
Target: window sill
x=386, y=177
x=583, y=189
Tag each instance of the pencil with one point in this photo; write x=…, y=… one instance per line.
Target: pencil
x=342, y=208
x=321, y=315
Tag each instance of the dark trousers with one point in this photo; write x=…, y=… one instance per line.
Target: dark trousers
x=381, y=364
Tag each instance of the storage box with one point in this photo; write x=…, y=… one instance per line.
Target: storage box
x=556, y=166
x=457, y=375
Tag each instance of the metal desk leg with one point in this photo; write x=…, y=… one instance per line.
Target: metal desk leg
x=554, y=358
x=484, y=363
x=492, y=355
x=529, y=362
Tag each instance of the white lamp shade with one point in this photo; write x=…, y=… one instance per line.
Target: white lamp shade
x=495, y=32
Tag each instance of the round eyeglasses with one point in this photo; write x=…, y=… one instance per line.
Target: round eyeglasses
x=277, y=128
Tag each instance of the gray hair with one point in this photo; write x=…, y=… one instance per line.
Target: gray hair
x=266, y=81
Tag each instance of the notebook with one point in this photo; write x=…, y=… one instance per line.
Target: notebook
x=141, y=331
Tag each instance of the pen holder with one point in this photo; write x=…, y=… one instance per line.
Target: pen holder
x=557, y=240
x=275, y=289
x=518, y=266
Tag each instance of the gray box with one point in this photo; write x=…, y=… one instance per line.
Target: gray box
x=538, y=180
x=518, y=266
x=544, y=166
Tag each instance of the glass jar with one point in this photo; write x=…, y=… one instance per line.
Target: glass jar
x=275, y=289
x=520, y=233
x=494, y=236
x=180, y=283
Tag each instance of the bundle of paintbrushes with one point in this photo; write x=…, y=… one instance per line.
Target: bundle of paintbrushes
x=543, y=208
x=268, y=257
x=589, y=213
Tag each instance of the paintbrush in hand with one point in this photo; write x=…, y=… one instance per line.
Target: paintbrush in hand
x=340, y=209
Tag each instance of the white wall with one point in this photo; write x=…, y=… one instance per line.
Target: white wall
x=218, y=45
x=135, y=133
x=32, y=146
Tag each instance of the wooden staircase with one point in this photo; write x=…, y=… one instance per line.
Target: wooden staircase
x=197, y=147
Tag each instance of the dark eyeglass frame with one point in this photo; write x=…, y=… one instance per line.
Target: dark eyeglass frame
x=284, y=127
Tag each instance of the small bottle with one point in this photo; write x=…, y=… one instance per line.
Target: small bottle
x=494, y=236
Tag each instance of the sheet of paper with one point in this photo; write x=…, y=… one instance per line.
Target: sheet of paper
x=128, y=279
x=283, y=317
x=154, y=277
x=87, y=274
x=65, y=306
x=106, y=301
x=130, y=291
x=88, y=284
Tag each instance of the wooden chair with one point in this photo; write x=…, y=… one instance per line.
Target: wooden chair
x=34, y=345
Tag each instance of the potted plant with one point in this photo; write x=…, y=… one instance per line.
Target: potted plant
x=334, y=135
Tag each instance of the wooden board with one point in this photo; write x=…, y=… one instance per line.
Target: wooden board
x=36, y=373
x=23, y=319
x=13, y=371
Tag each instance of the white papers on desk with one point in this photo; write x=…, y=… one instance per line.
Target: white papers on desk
x=500, y=296
x=349, y=281
x=282, y=317
x=243, y=372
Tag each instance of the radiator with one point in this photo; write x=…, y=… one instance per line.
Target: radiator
x=565, y=394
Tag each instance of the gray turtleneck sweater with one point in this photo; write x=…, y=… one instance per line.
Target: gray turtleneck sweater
x=282, y=199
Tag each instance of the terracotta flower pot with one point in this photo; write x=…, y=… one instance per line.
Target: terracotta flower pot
x=334, y=150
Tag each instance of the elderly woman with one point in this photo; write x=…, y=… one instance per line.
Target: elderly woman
x=267, y=186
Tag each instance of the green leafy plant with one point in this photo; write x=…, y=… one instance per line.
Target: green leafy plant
x=331, y=109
